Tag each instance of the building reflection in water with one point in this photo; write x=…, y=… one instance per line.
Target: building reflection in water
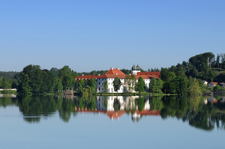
x=115, y=106
x=8, y=95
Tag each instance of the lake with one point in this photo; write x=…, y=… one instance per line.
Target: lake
x=111, y=122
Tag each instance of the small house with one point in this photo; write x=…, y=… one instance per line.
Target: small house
x=212, y=100
x=212, y=84
x=222, y=84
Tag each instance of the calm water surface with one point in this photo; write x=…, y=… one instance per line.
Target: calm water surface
x=111, y=122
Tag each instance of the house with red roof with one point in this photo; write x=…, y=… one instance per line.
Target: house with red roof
x=212, y=84
x=116, y=72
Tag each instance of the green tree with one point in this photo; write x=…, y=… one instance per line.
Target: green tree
x=153, y=85
x=55, y=71
x=116, y=105
x=159, y=85
x=36, y=78
x=166, y=75
x=223, y=65
x=220, y=78
x=15, y=83
x=200, y=62
x=0, y=82
x=141, y=103
x=126, y=71
x=156, y=103
x=194, y=88
x=195, y=73
x=48, y=82
x=218, y=61
x=75, y=74
x=171, y=76
x=66, y=77
x=180, y=73
x=92, y=84
x=212, y=75
x=105, y=102
x=34, y=75
x=26, y=89
x=129, y=82
x=140, y=86
x=181, y=86
x=106, y=86
x=86, y=92
x=200, y=82
x=169, y=87
x=80, y=85
x=58, y=85
x=5, y=83
x=163, y=74
x=218, y=88
x=194, y=102
x=156, y=85
x=117, y=84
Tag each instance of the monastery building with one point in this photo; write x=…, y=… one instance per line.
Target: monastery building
x=115, y=72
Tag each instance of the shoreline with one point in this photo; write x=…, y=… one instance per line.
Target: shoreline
x=132, y=94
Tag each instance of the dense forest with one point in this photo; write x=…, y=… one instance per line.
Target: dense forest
x=183, y=78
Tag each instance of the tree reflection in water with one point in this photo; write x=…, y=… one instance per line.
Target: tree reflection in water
x=195, y=112
x=191, y=109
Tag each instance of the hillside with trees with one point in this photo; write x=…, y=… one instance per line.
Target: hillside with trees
x=200, y=67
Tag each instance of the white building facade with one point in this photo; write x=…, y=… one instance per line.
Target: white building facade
x=115, y=72
x=125, y=102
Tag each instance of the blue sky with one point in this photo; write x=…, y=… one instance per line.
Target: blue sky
x=98, y=34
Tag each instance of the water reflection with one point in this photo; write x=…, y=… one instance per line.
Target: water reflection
x=204, y=113
x=115, y=106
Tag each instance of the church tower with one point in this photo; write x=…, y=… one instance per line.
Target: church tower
x=135, y=69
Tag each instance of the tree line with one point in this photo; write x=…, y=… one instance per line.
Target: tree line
x=34, y=80
x=174, y=80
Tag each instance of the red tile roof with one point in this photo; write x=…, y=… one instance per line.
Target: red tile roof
x=116, y=115
x=143, y=76
x=149, y=73
x=86, y=77
x=115, y=72
x=214, y=83
x=214, y=101
x=147, y=112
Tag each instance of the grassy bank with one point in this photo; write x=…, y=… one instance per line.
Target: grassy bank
x=40, y=94
x=131, y=94
x=8, y=92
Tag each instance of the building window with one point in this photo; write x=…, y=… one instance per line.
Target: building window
x=99, y=88
x=99, y=83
